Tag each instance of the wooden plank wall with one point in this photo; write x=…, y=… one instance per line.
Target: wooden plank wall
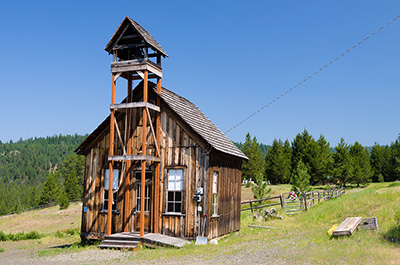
x=229, y=195
x=179, y=152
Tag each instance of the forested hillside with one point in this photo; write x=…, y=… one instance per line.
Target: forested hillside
x=26, y=164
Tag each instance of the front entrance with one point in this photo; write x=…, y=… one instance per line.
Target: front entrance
x=147, y=201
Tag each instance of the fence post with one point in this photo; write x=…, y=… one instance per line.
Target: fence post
x=251, y=206
x=305, y=201
x=283, y=207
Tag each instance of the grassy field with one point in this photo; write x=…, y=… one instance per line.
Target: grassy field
x=302, y=238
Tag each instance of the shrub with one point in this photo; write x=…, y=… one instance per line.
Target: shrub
x=33, y=235
x=3, y=237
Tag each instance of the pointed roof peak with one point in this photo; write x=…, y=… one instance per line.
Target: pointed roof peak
x=140, y=31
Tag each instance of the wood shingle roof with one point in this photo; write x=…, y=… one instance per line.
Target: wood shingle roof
x=200, y=123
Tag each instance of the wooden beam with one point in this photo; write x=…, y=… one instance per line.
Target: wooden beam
x=158, y=165
x=119, y=136
x=128, y=37
x=127, y=66
x=144, y=140
x=135, y=105
x=152, y=132
x=122, y=34
x=128, y=207
x=110, y=164
x=137, y=77
x=127, y=46
x=140, y=73
x=116, y=76
x=133, y=157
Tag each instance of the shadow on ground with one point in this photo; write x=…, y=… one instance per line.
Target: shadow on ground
x=393, y=235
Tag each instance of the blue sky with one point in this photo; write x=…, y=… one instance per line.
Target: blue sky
x=228, y=57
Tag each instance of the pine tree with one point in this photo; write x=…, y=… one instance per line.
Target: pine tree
x=255, y=164
x=300, y=179
x=51, y=189
x=395, y=160
x=380, y=162
x=278, y=162
x=342, y=163
x=362, y=171
x=259, y=188
x=72, y=187
x=300, y=149
x=322, y=162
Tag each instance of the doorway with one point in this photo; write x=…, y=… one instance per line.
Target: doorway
x=147, y=201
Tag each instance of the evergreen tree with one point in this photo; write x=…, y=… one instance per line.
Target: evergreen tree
x=395, y=160
x=259, y=188
x=362, y=171
x=300, y=179
x=72, y=187
x=380, y=162
x=255, y=164
x=300, y=149
x=278, y=162
x=322, y=161
x=51, y=189
x=74, y=163
x=342, y=163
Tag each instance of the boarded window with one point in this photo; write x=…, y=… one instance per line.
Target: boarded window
x=215, y=194
x=115, y=189
x=175, y=190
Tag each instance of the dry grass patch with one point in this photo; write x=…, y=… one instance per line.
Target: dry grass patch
x=47, y=220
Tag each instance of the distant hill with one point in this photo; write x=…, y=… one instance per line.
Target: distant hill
x=25, y=164
x=263, y=147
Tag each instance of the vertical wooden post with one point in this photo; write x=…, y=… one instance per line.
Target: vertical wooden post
x=305, y=201
x=144, y=140
x=158, y=164
x=128, y=208
x=110, y=165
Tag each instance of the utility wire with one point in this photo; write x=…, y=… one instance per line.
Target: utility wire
x=315, y=73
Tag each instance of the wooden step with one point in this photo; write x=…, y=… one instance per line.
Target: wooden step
x=119, y=242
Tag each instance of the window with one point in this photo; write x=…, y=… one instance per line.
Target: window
x=115, y=189
x=175, y=188
x=146, y=198
x=215, y=195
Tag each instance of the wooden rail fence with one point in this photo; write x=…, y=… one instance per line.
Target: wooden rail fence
x=301, y=203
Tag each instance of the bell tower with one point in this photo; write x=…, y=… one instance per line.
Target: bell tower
x=136, y=56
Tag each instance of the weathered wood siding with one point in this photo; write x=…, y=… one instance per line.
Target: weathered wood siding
x=229, y=194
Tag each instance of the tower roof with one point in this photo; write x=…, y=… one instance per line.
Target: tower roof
x=129, y=23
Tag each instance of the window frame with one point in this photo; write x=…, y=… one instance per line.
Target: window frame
x=115, y=190
x=214, y=194
x=177, y=190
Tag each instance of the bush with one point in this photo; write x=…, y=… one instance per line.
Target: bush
x=1, y=249
x=3, y=237
x=33, y=235
x=20, y=236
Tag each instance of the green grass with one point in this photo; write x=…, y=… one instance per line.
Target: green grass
x=300, y=239
x=303, y=238
x=20, y=236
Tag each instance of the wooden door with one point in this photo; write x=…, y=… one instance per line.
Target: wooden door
x=147, y=207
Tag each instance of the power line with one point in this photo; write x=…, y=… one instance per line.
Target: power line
x=310, y=76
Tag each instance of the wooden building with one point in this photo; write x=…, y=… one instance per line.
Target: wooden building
x=157, y=163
